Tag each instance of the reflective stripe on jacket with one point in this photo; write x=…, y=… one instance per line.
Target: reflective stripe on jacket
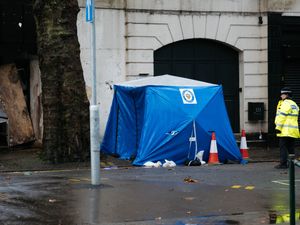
x=286, y=119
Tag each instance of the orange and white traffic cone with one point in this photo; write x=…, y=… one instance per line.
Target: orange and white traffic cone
x=213, y=152
x=243, y=146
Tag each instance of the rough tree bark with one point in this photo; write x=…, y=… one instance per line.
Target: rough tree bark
x=64, y=99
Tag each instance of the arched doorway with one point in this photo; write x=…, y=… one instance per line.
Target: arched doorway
x=204, y=60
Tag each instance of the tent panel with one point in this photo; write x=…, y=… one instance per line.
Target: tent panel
x=161, y=121
x=109, y=140
x=173, y=148
x=165, y=117
x=138, y=96
x=214, y=118
x=155, y=122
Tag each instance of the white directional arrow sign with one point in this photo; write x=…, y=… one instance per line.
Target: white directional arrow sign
x=89, y=10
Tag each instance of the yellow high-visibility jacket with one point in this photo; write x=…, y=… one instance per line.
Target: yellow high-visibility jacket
x=286, y=119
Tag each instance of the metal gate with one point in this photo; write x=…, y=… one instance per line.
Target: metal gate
x=284, y=61
x=291, y=55
x=204, y=60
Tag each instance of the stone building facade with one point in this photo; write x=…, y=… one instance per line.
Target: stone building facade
x=251, y=47
x=129, y=32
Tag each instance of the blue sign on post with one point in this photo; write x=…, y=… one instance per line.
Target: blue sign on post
x=89, y=10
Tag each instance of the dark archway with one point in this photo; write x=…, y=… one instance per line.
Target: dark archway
x=18, y=33
x=18, y=38
x=204, y=60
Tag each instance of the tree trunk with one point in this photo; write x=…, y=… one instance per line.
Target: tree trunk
x=64, y=98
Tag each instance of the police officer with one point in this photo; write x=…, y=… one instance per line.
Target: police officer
x=286, y=122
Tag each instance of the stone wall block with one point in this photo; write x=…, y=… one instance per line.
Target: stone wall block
x=144, y=43
x=186, y=25
x=140, y=56
x=199, y=23
x=157, y=31
x=212, y=26
x=260, y=80
x=134, y=69
x=256, y=68
x=256, y=92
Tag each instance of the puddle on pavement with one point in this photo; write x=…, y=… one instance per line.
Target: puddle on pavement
x=35, y=202
x=231, y=222
x=90, y=187
x=212, y=220
x=223, y=222
x=278, y=218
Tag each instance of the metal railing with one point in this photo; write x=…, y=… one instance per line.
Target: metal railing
x=292, y=163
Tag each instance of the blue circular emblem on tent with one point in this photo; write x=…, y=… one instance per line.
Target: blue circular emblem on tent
x=188, y=96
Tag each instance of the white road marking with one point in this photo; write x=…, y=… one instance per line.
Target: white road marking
x=283, y=182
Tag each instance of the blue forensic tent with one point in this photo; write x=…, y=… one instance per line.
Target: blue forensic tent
x=152, y=119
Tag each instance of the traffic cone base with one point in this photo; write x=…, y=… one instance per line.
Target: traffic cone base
x=244, y=153
x=213, y=158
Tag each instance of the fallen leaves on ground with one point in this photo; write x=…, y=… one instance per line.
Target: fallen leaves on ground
x=236, y=186
x=189, y=198
x=73, y=180
x=190, y=180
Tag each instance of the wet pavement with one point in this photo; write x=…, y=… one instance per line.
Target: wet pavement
x=224, y=194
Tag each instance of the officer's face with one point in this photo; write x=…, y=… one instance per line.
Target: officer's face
x=283, y=96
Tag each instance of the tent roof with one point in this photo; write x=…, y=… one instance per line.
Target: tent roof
x=165, y=80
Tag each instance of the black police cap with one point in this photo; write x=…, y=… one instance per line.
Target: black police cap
x=286, y=90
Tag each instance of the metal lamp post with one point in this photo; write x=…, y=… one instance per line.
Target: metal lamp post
x=94, y=109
